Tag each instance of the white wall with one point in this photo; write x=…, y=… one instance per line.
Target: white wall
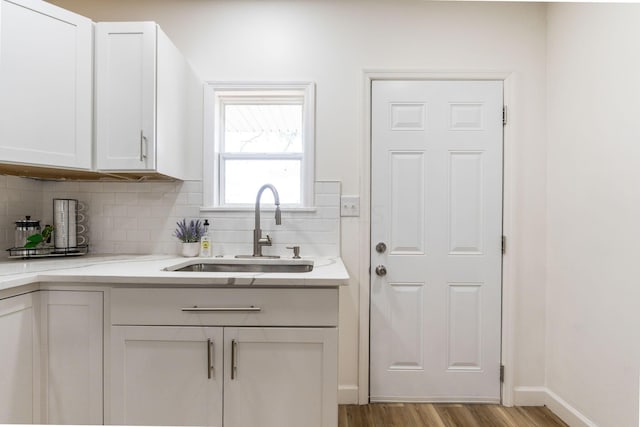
x=331, y=42
x=593, y=287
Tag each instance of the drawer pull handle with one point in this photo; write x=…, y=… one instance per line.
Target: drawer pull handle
x=197, y=309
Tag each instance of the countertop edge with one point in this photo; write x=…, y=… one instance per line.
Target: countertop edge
x=147, y=271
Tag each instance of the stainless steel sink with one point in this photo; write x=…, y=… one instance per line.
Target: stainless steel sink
x=244, y=266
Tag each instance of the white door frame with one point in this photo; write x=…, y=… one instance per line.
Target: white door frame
x=508, y=270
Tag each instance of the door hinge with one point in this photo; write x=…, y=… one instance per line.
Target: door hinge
x=504, y=245
x=501, y=373
x=504, y=115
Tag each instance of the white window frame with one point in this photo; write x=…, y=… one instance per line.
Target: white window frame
x=212, y=171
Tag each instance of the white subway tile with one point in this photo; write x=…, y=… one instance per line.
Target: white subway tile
x=191, y=187
x=115, y=236
x=194, y=199
x=328, y=200
x=115, y=210
x=139, y=211
x=184, y=211
x=150, y=198
x=162, y=187
x=243, y=224
x=126, y=223
x=127, y=198
x=90, y=187
x=126, y=247
x=101, y=197
x=114, y=187
x=232, y=236
x=138, y=235
x=328, y=212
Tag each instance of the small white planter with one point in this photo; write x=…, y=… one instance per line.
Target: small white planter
x=190, y=249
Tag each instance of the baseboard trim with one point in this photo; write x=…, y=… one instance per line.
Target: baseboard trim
x=529, y=396
x=566, y=412
x=542, y=396
x=348, y=395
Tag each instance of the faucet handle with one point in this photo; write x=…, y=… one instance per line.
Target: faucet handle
x=296, y=251
x=264, y=241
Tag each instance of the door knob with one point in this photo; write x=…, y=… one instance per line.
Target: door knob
x=381, y=270
x=381, y=247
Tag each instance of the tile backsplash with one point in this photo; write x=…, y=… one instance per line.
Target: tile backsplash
x=140, y=217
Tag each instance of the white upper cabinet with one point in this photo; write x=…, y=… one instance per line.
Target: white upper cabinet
x=46, y=85
x=148, y=103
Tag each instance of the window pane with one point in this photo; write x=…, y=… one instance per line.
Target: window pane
x=263, y=128
x=243, y=179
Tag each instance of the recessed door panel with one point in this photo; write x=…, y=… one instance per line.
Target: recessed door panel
x=407, y=340
x=407, y=202
x=408, y=116
x=464, y=332
x=466, y=116
x=465, y=195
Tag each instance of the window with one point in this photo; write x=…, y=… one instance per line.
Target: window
x=258, y=134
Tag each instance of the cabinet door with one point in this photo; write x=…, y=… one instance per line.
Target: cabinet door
x=166, y=375
x=280, y=377
x=18, y=361
x=46, y=85
x=125, y=95
x=72, y=325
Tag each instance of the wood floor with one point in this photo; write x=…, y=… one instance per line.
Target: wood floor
x=445, y=415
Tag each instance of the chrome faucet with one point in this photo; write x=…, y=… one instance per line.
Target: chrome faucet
x=258, y=240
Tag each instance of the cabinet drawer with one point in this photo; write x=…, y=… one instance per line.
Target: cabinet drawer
x=221, y=307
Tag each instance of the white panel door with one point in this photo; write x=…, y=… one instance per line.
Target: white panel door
x=46, y=85
x=280, y=377
x=18, y=361
x=437, y=206
x=72, y=325
x=166, y=375
x=125, y=95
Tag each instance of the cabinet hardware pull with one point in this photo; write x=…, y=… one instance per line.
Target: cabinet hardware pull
x=209, y=358
x=234, y=359
x=195, y=308
x=143, y=140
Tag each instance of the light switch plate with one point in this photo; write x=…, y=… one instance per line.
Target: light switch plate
x=350, y=206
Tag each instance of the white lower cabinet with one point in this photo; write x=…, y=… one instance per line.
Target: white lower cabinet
x=278, y=377
x=19, y=369
x=71, y=337
x=239, y=358
x=164, y=375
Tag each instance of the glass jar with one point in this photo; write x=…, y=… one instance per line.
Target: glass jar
x=25, y=228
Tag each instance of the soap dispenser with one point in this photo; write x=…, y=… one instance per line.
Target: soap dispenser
x=205, y=242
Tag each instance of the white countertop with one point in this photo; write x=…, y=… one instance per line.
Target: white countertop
x=148, y=270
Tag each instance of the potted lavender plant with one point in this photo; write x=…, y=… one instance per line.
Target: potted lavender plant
x=189, y=234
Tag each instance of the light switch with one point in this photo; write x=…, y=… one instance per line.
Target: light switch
x=350, y=206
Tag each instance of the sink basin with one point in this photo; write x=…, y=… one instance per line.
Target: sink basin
x=244, y=266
